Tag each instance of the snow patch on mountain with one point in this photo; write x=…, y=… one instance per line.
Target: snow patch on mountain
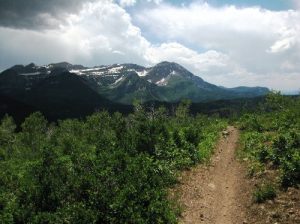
x=77, y=72
x=173, y=73
x=162, y=82
x=118, y=80
x=31, y=73
x=142, y=73
x=89, y=71
x=115, y=69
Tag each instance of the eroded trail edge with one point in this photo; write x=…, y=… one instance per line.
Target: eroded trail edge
x=217, y=193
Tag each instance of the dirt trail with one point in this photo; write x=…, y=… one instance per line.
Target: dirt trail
x=216, y=194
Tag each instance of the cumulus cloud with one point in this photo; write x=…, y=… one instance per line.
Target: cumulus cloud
x=257, y=41
x=200, y=63
x=289, y=37
x=211, y=27
x=101, y=33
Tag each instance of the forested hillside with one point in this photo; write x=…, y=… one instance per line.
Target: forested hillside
x=106, y=168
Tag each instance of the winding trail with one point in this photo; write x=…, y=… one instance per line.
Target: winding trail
x=216, y=194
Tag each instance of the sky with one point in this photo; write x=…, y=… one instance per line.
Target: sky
x=225, y=42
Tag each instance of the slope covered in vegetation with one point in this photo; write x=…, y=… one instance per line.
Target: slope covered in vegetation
x=270, y=143
x=272, y=138
x=103, y=169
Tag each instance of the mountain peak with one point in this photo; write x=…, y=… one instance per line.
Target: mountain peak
x=170, y=67
x=65, y=65
x=164, y=70
x=164, y=63
x=31, y=65
x=173, y=65
x=30, y=68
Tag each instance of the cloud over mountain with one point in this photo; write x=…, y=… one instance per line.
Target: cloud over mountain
x=258, y=41
x=227, y=45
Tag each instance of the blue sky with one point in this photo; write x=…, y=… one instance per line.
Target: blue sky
x=267, y=4
x=226, y=42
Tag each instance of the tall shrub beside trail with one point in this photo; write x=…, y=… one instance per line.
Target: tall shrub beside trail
x=277, y=141
x=106, y=168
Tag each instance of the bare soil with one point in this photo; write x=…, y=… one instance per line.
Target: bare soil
x=218, y=193
x=284, y=209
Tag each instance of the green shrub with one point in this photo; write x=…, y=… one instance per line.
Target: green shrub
x=103, y=169
x=272, y=137
x=264, y=192
x=291, y=170
x=250, y=122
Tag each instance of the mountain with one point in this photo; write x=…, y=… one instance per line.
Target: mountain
x=63, y=88
x=57, y=93
x=15, y=108
x=66, y=93
x=245, y=91
x=166, y=81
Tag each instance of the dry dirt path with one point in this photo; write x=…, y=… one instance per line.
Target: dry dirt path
x=216, y=194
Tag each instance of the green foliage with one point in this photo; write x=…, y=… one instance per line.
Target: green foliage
x=33, y=134
x=264, y=192
x=272, y=137
x=276, y=101
x=183, y=109
x=103, y=169
x=291, y=170
x=250, y=122
x=7, y=137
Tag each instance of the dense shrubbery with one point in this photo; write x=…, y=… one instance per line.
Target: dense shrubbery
x=272, y=137
x=104, y=169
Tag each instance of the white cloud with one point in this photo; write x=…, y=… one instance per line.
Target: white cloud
x=256, y=41
x=102, y=33
x=155, y=1
x=282, y=45
x=130, y=3
x=107, y=28
x=126, y=3
x=289, y=38
x=199, y=63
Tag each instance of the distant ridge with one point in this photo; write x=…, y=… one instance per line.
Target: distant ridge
x=67, y=89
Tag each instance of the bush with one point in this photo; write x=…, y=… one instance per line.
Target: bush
x=291, y=170
x=264, y=192
x=272, y=137
x=250, y=122
x=103, y=169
